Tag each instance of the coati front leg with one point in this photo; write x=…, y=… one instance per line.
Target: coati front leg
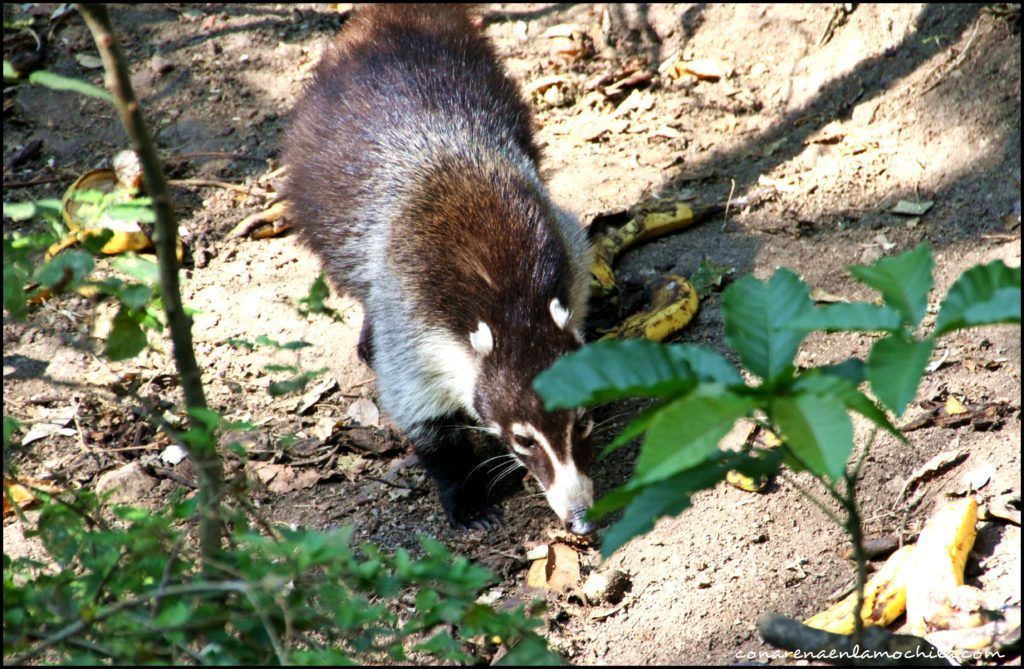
x=364, y=349
x=442, y=446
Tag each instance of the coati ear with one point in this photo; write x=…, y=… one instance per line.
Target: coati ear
x=560, y=314
x=482, y=340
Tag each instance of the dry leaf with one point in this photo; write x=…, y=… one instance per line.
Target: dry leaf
x=284, y=478
x=953, y=406
x=558, y=570
x=561, y=30
x=89, y=61
x=364, y=412
x=51, y=422
x=542, y=84
x=22, y=493
x=908, y=208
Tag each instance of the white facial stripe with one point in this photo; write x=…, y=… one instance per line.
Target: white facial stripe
x=482, y=340
x=560, y=314
x=570, y=489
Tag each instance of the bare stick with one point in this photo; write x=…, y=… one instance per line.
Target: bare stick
x=179, y=324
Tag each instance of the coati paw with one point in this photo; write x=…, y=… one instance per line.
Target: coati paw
x=474, y=515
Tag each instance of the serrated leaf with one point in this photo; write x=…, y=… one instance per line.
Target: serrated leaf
x=66, y=270
x=671, y=496
x=895, y=367
x=126, y=338
x=633, y=429
x=983, y=295
x=609, y=370
x=686, y=431
x=819, y=383
x=817, y=430
x=853, y=317
x=757, y=314
x=708, y=276
x=904, y=281
x=57, y=82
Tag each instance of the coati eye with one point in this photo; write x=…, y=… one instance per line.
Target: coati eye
x=525, y=443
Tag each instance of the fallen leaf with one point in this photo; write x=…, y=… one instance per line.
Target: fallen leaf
x=978, y=478
x=542, y=84
x=89, y=61
x=824, y=297
x=561, y=30
x=364, y=412
x=954, y=407
x=284, y=478
x=910, y=208
x=51, y=422
x=558, y=570
x=317, y=393
x=928, y=470
x=21, y=492
x=884, y=242
x=173, y=454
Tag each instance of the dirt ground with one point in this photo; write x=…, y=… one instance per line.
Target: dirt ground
x=828, y=119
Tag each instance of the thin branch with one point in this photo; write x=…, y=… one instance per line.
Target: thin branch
x=118, y=80
x=99, y=616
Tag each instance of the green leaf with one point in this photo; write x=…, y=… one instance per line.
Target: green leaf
x=895, y=367
x=10, y=425
x=818, y=431
x=140, y=211
x=756, y=317
x=530, y=651
x=817, y=382
x=66, y=270
x=313, y=302
x=673, y=495
x=278, y=388
x=59, y=83
x=983, y=295
x=135, y=296
x=633, y=429
x=855, y=317
x=143, y=269
x=851, y=369
x=904, y=281
x=686, y=431
x=15, y=298
x=709, y=276
x=126, y=339
x=23, y=211
x=611, y=370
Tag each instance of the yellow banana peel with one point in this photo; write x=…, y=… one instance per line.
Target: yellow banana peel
x=934, y=586
x=649, y=221
x=673, y=306
x=744, y=482
x=884, y=598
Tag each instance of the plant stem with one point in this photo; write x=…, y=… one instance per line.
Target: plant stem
x=205, y=457
x=855, y=528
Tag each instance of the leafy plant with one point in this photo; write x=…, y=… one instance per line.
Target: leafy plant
x=699, y=395
x=136, y=589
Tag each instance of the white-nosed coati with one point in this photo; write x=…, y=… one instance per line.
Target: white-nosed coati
x=412, y=173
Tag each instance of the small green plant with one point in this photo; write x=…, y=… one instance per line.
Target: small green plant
x=138, y=587
x=699, y=395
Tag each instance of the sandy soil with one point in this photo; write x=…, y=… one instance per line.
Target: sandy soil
x=830, y=128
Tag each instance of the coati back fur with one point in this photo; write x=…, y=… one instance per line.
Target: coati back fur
x=413, y=175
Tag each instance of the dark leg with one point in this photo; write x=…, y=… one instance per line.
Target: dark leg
x=444, y=450
x=364, y=349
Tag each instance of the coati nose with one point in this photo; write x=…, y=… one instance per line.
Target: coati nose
x=578, y=524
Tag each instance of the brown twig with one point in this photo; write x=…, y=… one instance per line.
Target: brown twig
x=118, y=80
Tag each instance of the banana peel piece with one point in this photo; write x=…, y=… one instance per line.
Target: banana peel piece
x=649, y=221
x=884, y=598
x=83, y=222
x=936, y=596
x=674, y=303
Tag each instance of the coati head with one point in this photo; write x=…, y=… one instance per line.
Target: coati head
x=553, y=445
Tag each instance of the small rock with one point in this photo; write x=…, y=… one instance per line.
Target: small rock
x=607, y=586
x=128, y=484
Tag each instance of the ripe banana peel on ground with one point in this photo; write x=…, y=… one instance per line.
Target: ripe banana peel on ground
x=924, y=579
x=674, y=301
